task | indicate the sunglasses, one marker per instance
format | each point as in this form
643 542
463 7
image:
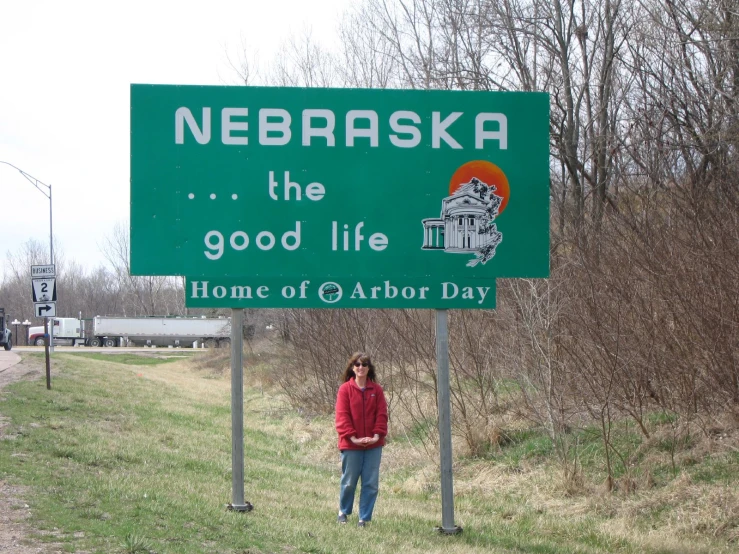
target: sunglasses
363 364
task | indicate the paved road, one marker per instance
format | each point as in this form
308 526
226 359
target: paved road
107 350
8 359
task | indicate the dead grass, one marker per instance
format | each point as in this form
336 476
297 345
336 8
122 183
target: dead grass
669 517
663 516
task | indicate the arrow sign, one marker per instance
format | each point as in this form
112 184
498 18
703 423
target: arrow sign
44 290
45 309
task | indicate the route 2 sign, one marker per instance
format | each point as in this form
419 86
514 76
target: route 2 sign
44 290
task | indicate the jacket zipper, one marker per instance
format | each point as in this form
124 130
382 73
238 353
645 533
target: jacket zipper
364 414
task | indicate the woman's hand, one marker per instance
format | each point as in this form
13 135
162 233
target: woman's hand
366 441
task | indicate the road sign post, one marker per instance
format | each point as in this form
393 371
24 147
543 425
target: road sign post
46 352
445 425
237 413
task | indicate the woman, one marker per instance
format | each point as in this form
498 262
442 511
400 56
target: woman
361 422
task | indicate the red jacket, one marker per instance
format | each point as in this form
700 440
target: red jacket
360 413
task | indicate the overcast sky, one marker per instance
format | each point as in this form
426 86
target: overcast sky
65 72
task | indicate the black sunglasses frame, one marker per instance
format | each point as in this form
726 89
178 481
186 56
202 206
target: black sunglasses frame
363 364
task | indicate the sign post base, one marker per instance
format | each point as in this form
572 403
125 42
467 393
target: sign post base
247 507
456 530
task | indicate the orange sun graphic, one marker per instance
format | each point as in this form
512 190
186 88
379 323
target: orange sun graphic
488 173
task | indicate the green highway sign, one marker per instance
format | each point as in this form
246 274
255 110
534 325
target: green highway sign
368 292
282 183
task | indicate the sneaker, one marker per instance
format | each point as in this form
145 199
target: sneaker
341 518
361 524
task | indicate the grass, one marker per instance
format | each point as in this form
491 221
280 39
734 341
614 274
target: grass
133 359
122 457
720 469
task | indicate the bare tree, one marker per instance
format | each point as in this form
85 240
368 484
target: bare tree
302 62
243 64
142 295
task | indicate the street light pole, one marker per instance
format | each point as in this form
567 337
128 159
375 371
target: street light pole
46 191
51 230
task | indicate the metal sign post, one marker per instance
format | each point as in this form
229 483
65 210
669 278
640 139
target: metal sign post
445 426
237 413
51 332
46 351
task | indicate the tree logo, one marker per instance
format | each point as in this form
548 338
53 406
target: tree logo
330 292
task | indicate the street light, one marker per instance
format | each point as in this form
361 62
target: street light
26 324
46 191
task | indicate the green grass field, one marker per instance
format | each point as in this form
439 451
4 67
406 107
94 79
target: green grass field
125 456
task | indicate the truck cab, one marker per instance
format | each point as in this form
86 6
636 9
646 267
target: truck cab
68 331
6 336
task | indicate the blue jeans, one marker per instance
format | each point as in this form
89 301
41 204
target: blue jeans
356 464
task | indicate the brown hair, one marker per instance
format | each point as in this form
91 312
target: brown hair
361 357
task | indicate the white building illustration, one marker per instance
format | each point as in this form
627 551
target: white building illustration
465 225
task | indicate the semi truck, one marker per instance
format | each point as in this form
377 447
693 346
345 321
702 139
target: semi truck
6 336
137 331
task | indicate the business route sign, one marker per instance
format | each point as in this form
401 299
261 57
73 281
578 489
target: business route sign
289 184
